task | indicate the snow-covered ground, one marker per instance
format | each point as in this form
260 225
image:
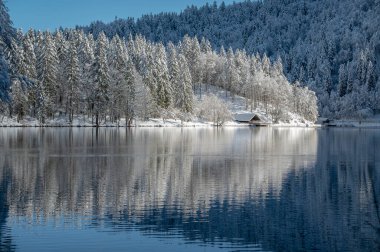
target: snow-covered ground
236 105
239 105
372 122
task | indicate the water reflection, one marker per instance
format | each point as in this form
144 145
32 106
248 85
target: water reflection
267 189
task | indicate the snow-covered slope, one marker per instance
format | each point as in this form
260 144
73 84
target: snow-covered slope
237 104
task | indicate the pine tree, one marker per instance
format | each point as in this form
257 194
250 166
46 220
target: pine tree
17 61
102 78
19 99
231 73
7 32
175 73
62 51
371 79
73 81
41 107
117 60
30 56
161 75
350 80
130 93
185 89
30 70
342 85
47 73
4 79
190 48
327 80
87 61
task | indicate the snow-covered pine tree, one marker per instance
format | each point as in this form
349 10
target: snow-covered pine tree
86 62
29 55
4 79
30 71
185 94
231 72
17 61
7 33
174 73
47 68
220 69
370 78
130 93
19 99
117 59
161 75
73 81
342 85
190 48
102 79
62 49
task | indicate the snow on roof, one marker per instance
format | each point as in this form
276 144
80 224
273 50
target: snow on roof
245 117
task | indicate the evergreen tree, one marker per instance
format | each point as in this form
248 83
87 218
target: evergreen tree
342 86
161 75
19 99
47 73
30 56
117 60
231 73
4 79
62 50
73 81
17 61
102 79
86 58
30 71
7 32
185 94
130 92
175 73
370 79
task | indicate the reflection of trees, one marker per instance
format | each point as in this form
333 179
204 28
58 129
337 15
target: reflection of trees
61 171
5 238
244 185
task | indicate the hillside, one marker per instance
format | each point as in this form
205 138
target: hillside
331 46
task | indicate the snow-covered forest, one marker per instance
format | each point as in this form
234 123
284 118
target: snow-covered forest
70 73
331 46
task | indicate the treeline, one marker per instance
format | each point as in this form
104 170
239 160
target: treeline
332 46
70 73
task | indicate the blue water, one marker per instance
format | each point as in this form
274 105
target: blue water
173 189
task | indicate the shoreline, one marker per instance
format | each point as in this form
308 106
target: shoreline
175 123
82 122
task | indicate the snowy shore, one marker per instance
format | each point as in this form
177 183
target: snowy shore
157 122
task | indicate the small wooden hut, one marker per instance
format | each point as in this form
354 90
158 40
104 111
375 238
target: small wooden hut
253 119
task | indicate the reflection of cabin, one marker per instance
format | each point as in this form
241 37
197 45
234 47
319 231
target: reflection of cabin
253 119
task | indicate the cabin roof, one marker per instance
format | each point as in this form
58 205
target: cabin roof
247 117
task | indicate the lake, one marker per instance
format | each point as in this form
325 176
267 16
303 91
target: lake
189 189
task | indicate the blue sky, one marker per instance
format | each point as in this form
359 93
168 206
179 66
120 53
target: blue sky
50 14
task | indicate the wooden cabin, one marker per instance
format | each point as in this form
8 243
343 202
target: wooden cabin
253 119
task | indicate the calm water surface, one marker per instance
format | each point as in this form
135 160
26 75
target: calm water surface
248 189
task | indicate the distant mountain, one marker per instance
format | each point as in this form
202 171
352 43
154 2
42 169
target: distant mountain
332 46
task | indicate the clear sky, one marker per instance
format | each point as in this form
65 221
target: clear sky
51 14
